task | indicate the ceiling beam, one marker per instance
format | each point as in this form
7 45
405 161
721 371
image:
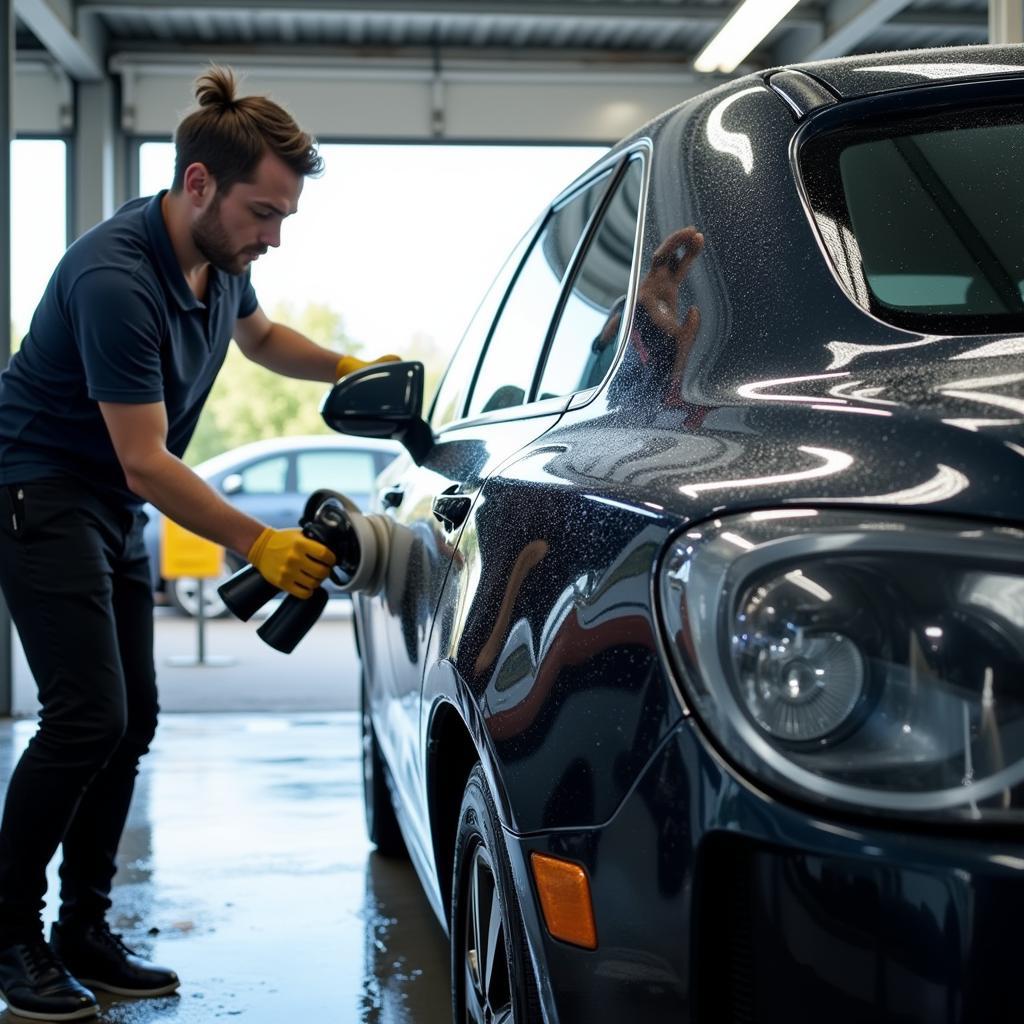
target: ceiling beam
597 10
803 16
79 53
849 22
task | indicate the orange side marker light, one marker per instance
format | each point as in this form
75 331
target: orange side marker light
564 891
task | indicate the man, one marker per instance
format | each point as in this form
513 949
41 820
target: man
96 410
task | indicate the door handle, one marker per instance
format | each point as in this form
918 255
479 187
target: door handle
392 497
449 509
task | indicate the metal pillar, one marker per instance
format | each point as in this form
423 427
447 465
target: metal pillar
6 135
1006 21
95 151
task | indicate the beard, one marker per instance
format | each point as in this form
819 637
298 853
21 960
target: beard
210 238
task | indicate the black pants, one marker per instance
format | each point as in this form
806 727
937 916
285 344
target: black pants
76 578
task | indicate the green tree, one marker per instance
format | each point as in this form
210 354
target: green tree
249 403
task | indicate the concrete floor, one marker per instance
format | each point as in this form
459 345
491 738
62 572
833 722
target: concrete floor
245 867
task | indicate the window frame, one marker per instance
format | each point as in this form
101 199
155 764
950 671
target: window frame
638 154
608 169
509 272
616 162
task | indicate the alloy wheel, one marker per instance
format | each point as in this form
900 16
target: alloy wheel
488 986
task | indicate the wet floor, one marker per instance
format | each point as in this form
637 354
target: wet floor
246 868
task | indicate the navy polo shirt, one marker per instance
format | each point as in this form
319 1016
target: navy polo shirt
117 323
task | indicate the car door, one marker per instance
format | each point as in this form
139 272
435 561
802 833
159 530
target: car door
544 619
481 416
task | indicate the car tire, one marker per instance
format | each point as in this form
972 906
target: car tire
381 822
492 981
184 593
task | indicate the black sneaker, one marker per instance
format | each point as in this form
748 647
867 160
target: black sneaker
93 951
36 985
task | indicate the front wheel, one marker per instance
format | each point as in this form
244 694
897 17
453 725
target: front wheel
492 977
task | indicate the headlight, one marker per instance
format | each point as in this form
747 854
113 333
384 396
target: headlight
855 660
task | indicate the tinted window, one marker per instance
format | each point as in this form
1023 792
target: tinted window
268 476
924 217
585 340
510 360
451 395
340 471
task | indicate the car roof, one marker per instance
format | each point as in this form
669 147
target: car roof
276 445
846 78
850 77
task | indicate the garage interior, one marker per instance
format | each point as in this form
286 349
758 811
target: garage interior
265 895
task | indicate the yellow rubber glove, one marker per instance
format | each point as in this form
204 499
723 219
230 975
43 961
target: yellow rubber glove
349 364
291 561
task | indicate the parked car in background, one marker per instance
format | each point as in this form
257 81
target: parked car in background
696 692
271 481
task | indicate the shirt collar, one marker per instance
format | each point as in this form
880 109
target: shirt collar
168 262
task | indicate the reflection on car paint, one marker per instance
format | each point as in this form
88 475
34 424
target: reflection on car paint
735 144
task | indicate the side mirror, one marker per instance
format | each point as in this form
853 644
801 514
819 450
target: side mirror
384 400
232 483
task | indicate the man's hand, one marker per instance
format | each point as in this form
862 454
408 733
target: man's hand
349 364
291 561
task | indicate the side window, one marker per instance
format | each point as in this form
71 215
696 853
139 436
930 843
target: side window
518 337
268 476
585 341
451 395
339 470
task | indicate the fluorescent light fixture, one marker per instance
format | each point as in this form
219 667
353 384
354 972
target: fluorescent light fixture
751 22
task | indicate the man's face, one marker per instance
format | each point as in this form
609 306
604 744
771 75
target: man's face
235 228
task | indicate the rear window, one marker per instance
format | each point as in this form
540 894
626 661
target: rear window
923 217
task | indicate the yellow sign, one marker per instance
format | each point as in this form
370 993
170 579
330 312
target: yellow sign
184 554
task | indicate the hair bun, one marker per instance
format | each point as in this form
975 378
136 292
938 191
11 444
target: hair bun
216 88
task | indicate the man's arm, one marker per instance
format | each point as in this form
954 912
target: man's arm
139 436
286 558
283 350
286 351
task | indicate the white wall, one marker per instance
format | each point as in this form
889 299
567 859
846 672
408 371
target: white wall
406 101
402 100
42 99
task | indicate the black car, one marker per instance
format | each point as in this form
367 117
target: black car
696 691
